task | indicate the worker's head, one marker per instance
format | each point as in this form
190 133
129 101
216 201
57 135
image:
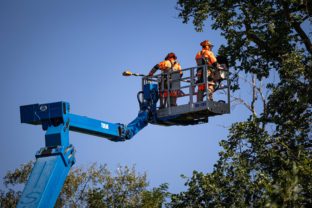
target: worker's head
171 56
206 43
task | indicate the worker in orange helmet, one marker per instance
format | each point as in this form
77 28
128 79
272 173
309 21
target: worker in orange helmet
170 64
205 57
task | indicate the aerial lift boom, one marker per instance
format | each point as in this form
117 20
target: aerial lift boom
54 161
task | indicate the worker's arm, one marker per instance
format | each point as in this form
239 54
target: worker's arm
211 57
213 60
153 70
179 68
164 66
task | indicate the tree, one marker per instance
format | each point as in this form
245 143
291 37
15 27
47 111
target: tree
266 160
94 186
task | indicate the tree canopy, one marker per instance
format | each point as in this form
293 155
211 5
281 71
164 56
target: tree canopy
94 186
266 160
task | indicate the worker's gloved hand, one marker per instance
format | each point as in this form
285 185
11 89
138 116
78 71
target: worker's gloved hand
150 74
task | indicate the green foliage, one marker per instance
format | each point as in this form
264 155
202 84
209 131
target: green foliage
94 186
9 199
12 178
266 161
156 197
254 170
258 33
19 175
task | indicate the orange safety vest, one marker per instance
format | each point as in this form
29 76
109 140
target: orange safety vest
207 56
165 66
201 87
204 57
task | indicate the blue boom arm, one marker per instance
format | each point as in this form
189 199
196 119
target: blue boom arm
54 161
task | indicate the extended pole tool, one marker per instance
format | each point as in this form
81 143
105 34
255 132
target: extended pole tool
129 73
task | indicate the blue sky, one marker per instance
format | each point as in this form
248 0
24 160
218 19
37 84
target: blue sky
75 51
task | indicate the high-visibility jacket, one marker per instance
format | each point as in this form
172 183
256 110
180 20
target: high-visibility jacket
165 67
205 57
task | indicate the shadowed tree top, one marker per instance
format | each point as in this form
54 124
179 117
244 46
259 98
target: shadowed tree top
266 160
258 32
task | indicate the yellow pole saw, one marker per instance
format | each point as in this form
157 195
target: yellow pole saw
129 73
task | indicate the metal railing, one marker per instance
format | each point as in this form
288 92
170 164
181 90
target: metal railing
186 86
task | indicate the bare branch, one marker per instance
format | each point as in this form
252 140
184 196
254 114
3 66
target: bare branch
241 101
254 94
257 91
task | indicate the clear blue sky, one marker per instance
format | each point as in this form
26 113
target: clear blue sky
75 51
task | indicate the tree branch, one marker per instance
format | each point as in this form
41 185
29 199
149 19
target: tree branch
263 99
253 37
254 94
241 101
305 39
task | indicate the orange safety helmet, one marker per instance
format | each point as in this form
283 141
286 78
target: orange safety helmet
171 55
206 43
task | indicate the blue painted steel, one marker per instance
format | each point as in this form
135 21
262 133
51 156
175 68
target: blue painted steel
95 127
149 91
147 111
55 160
49 172
45 114
136 125
115 131
57 136
150 98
